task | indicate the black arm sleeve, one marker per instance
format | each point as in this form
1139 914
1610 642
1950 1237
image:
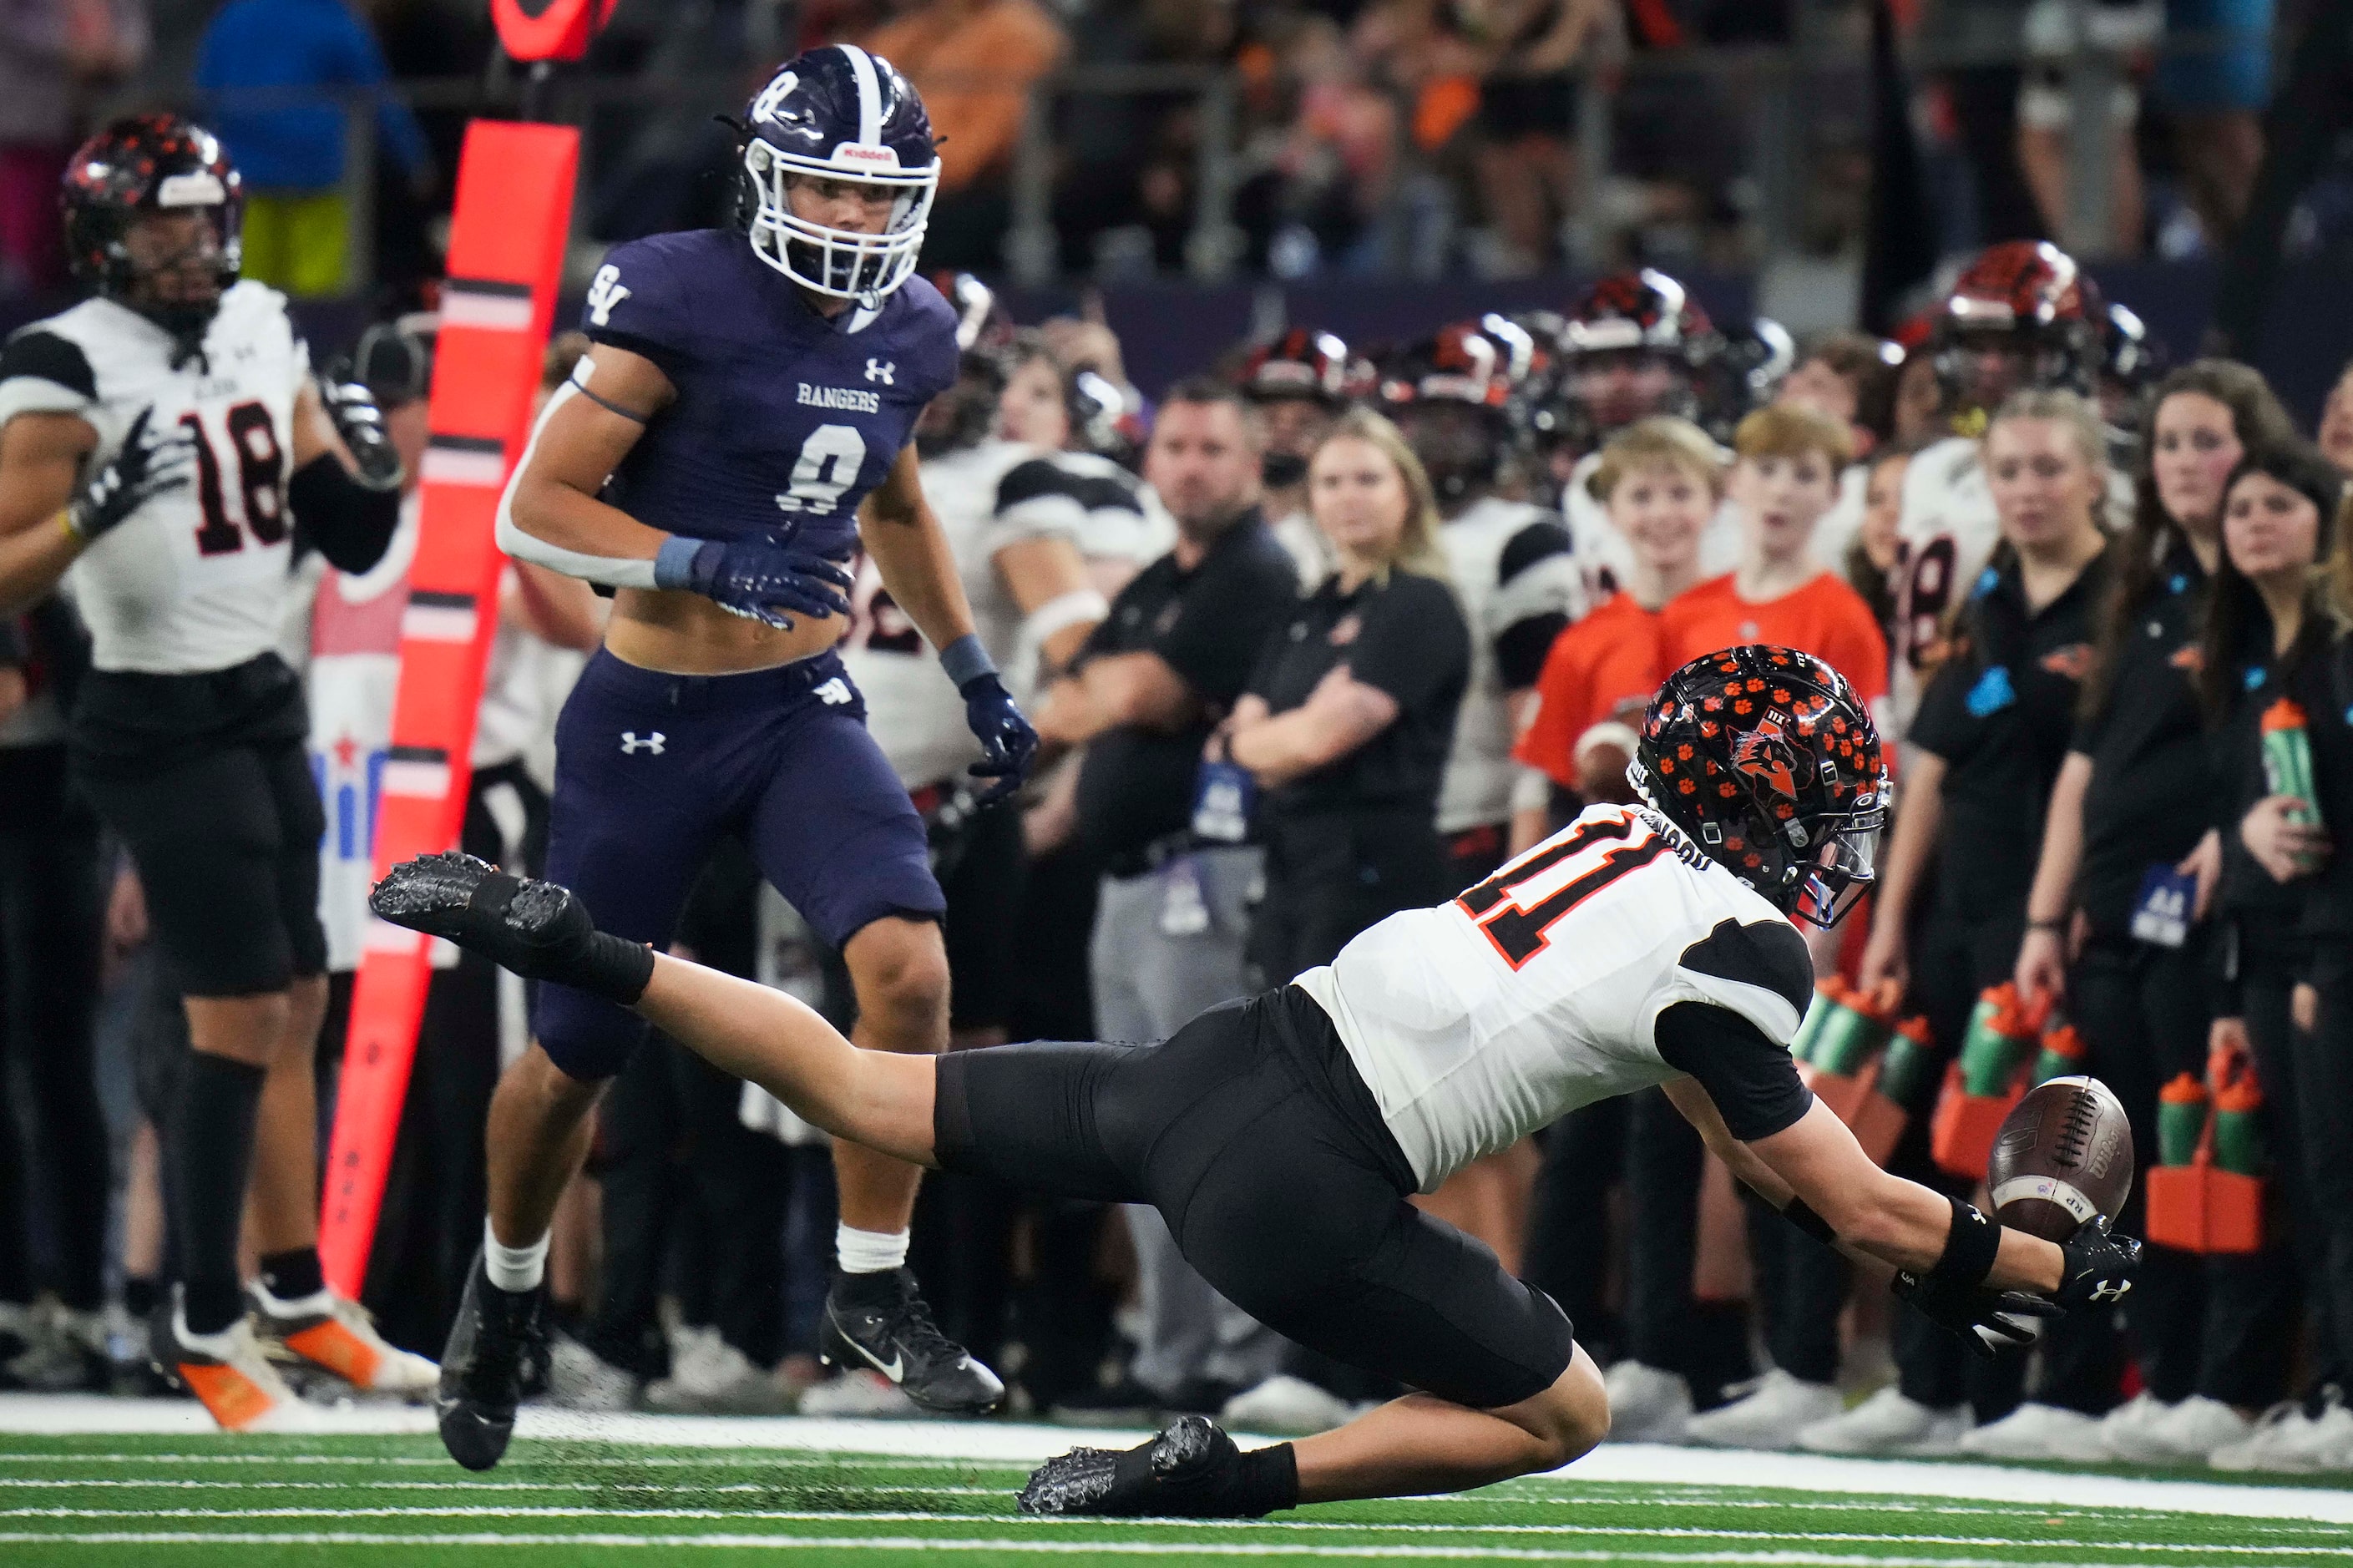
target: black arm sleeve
13 649
1752 1081
347 523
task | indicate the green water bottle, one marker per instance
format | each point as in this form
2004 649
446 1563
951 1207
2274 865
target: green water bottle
1989 1050
1826 996
2062 1053
1908 1071
2238 1128
2287 759
1849 1037
2180 1118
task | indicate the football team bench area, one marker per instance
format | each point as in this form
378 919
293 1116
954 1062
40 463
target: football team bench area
122 1483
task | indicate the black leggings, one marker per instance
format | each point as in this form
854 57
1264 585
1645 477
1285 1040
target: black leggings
1252 1134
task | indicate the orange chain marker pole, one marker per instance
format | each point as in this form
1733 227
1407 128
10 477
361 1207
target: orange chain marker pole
507 238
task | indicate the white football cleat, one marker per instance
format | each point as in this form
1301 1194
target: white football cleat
1889 1423
707 1374
1646 1405
1286 1406
234 1381
2155 1434
2035 1431
580 1378
2287 1441
331 1332
861 1393
1769 1417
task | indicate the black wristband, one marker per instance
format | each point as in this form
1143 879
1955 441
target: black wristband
1801 1214
1971 1248
615 969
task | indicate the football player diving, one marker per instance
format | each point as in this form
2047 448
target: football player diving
743 424
1282 1135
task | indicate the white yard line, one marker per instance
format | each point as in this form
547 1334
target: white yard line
1059 1548
1014 1443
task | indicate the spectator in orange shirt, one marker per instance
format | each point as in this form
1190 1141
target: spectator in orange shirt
1661 481
973 60
1785 476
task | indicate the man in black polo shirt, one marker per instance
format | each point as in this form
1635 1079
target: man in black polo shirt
1152 682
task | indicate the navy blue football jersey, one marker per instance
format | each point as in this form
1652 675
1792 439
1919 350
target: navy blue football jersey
781 414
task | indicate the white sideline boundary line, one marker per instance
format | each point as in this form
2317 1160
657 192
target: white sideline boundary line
1016 1443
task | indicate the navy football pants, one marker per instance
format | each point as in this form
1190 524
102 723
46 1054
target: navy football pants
652 768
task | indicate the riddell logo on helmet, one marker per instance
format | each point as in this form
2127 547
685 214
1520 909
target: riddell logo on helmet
1766 753
858 152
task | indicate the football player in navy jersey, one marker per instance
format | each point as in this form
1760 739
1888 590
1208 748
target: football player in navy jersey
743 422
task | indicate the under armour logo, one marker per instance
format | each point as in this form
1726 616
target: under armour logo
2110 1290
880 370
833 693
631 743
605 291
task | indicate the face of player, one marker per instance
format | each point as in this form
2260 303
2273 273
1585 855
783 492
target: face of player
2272 532
1781 497
1882 507
1294 426
851 205
1033 408
1448 437
1815 386
2046 489
1358 499
1620 386
1992 366
1663 510
1204 463
2336 434
177 256
2193 445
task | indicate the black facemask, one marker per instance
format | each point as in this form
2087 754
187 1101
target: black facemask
1281 470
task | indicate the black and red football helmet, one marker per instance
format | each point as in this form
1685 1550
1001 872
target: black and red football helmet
147 165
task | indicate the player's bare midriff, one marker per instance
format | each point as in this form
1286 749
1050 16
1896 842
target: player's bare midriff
686 634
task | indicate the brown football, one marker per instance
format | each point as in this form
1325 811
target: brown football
2064 1154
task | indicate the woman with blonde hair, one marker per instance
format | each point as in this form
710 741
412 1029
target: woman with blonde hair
1345 724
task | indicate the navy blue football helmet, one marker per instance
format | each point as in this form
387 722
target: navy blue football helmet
839 113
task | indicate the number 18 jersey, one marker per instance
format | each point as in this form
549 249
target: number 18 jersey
196 579
1539 990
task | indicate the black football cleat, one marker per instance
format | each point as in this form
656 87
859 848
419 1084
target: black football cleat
1191 1470
519 923
482 1367
881 1320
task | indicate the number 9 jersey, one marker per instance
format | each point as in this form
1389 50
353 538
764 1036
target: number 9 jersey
197 578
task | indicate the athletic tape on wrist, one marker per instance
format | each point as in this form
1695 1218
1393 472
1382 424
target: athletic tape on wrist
674 561
1079 606
1970 1248
965 661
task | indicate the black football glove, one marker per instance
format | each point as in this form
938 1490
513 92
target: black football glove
769 577
2099 1268
352 410
147 464
1987 1320
1006 741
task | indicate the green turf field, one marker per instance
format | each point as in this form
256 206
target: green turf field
260 1502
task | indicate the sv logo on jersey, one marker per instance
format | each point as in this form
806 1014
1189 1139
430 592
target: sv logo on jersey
880 370
633 742
605 291
1765 752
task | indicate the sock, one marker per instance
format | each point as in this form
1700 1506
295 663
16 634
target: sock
869 1251
218 1105
291 1275
1267 1480
514 1267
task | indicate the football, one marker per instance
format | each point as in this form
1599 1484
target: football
2064 1154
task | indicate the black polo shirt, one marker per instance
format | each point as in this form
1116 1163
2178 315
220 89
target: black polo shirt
1406 636
2000 713
1135 785
2152 788
2317 676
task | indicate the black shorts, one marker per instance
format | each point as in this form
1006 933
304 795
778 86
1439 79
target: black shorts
205 780
1252 1134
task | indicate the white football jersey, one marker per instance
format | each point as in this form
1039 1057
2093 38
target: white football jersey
1539 991
987 496
1310 550
197 578
1477 788
1601 548
1944 536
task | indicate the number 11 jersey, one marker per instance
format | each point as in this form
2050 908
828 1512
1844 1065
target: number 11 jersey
196 579
1539 990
